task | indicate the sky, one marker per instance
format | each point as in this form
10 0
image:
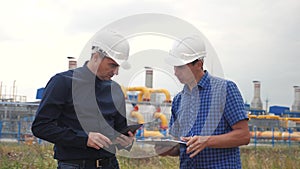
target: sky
254 39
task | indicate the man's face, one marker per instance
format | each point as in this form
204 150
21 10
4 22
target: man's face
185 73
107 69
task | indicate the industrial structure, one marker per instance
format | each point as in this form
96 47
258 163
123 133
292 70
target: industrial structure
256 103
296 104
279 123
152 107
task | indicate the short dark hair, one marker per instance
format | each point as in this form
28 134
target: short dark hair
194 62
101 52
197 60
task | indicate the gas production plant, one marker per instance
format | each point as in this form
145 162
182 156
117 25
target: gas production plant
279 123
152 107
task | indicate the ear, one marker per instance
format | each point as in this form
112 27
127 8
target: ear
200 64
93 57
96 57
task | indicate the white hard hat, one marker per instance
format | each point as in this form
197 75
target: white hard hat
114 45
186 50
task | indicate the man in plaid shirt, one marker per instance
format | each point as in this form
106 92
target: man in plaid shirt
208 114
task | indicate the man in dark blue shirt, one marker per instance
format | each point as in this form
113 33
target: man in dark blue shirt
83 110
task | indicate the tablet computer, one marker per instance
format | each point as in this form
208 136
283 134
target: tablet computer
131 128
162 142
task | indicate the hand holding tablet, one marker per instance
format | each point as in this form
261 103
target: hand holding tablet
132 128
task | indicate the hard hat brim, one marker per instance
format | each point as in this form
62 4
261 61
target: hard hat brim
175 61
115 55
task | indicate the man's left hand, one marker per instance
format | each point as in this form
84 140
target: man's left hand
195 144
125 141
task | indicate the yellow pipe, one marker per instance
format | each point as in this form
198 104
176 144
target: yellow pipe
138 116
163 119
143 92
140 96
252 116
274 117
279 135
268 117
140 119
293 119
148 133
165 91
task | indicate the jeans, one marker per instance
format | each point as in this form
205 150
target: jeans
65 165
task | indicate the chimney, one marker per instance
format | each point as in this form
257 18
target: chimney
256 102
149 82
14 93
72 63
149 77
296 104
0 90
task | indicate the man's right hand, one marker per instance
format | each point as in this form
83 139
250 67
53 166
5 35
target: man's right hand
98 140
167 150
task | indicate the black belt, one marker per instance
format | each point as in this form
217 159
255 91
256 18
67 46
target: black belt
102 162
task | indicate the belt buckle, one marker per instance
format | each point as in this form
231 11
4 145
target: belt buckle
98 163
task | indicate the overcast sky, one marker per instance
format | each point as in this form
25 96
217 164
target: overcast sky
254 39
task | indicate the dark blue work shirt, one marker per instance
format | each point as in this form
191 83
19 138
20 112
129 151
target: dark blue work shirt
74 103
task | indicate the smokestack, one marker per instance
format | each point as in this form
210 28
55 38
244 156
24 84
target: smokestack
149 77
296 104
14 91
72 63
149 82
256 102
1 90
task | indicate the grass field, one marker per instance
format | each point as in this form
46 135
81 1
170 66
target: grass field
21 156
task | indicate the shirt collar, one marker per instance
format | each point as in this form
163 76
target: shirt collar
90 74
203 82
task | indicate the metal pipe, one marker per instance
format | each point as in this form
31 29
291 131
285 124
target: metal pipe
165 91
163 119
144 92
138 116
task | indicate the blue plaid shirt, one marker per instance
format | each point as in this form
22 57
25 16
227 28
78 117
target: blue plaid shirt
211 108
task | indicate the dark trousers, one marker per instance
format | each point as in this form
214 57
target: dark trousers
111 163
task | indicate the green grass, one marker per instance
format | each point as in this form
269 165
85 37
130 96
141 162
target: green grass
280 157
21 156
17 156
